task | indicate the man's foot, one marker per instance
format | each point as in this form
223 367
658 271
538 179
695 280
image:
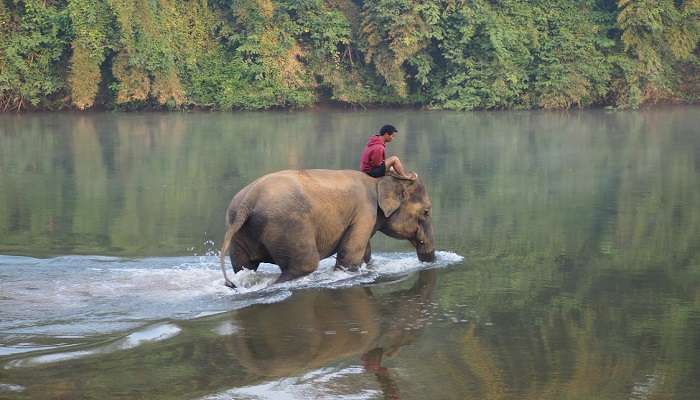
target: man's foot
412 176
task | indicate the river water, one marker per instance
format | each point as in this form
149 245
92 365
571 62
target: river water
568 263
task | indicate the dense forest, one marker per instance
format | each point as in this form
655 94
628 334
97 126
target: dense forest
261 54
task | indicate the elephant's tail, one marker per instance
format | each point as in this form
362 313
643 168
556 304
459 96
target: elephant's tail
238 221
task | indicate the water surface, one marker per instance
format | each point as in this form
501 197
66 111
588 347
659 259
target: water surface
568 263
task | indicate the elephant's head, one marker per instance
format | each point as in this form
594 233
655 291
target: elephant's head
407 209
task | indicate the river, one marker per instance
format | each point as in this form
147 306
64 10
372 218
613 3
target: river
568 262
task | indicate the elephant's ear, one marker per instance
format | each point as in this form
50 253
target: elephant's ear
390 195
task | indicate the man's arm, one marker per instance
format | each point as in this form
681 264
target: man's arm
376 157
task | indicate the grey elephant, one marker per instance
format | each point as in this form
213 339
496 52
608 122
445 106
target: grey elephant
296 218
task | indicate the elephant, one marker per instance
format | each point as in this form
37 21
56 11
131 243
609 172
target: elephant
295 218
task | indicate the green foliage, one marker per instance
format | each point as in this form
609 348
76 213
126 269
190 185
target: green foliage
661 36
144 66
571 66
260 54
34 42
486 56
91 22
394 31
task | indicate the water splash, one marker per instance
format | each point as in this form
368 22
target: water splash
46 302
153 333
8 387
324 383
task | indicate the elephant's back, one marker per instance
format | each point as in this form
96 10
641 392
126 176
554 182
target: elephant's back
308 185
262 187
321 176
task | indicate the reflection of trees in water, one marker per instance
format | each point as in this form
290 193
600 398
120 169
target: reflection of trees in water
150 184
578 354
527 183
582 240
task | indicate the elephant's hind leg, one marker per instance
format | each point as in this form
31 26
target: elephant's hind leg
297 256
296 271
253 265
236 267
250 258
302 262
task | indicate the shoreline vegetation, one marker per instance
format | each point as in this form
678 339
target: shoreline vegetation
308 54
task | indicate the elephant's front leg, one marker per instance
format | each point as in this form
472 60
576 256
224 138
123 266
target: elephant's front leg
368 254
354 248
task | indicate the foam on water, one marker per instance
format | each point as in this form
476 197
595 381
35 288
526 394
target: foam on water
153 333
324 383
8 387
26 347
52 303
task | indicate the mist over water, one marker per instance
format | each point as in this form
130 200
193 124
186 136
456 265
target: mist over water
568 262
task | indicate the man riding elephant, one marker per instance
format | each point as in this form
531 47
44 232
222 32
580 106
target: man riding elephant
373 160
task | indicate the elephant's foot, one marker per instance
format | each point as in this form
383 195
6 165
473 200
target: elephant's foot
346 268
285 277
288 275
282 279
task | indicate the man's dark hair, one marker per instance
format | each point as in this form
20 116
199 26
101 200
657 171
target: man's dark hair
387 129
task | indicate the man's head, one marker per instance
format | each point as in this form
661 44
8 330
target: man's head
387 133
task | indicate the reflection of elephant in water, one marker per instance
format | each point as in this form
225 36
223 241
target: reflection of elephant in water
296 218
319 327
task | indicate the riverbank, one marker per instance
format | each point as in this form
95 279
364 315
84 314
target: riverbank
337 106
282 54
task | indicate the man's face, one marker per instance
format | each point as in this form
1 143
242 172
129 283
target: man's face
388 137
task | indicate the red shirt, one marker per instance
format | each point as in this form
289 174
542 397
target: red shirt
373 154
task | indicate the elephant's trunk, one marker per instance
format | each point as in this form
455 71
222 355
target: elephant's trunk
425 244
426 256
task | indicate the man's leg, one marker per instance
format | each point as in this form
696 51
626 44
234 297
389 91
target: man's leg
395 163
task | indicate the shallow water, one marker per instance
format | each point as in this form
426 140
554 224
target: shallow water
568 263
77 296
